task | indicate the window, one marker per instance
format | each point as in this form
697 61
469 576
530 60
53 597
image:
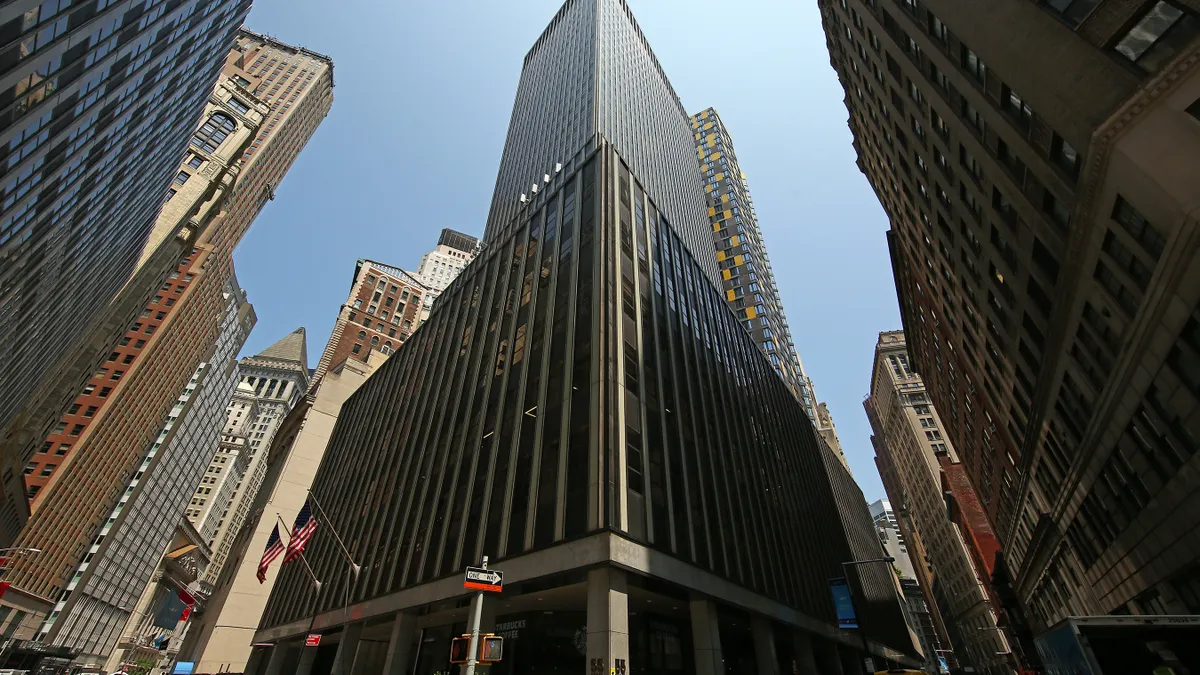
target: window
357 348
77 429
1072 12
182 177
1161 32
214 131
170 193
241 81
939 124
1194 109
195 161
1064 156
63 448
973 65
237 105
938 29
48 469
1059 214
1145 234
971 115
1016 107
971 164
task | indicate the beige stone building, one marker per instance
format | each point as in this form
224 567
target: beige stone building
222 635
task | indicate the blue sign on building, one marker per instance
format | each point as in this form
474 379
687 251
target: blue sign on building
843 603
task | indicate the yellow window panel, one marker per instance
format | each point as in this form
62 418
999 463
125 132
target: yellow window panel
708 188
737 260
720 176
716 155
704 114
733 241
751 312
697 136
721 256
727 274
708 125
725 198
717 227
729 293
712 211
728 214
711 138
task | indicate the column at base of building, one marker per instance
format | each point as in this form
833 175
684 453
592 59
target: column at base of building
276 660
804 658
828 658
343 661
308 657
765 655
706 637
607 622
400 645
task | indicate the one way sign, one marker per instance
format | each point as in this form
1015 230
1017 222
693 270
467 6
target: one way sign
480 579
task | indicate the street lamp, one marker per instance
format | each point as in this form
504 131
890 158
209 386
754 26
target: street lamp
850 591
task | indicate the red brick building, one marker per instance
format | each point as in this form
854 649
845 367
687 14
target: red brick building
386 304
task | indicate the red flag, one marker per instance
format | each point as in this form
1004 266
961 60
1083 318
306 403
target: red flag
273 551
302 531
4 587
187 611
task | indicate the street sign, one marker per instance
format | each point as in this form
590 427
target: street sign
480 579
312 640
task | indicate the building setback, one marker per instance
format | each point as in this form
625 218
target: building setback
1041 194
571 410
748 280
89 149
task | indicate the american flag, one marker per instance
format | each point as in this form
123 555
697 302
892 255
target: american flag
274 548
302 531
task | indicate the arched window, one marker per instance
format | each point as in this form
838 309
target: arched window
362 335
374 342
214 131
387 348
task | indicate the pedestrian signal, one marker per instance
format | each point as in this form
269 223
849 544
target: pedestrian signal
460 647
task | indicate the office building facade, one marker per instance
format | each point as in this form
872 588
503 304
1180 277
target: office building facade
748 280
107 581
440 266
279 378
92 124
908 433
571 410
1043 243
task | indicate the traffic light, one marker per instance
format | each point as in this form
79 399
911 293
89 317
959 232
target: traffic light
459 648
491 648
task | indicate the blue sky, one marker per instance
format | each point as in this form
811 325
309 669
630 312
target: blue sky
423 92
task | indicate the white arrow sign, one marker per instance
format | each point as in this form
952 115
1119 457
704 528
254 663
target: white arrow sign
484 576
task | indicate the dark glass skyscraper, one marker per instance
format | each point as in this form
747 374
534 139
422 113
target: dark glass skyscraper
97 104
583 408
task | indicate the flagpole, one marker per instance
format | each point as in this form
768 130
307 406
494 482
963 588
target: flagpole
302 558
329 523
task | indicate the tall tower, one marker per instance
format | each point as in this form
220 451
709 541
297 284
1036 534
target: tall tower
746 274
89 151
278 377
583 408
1037 161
